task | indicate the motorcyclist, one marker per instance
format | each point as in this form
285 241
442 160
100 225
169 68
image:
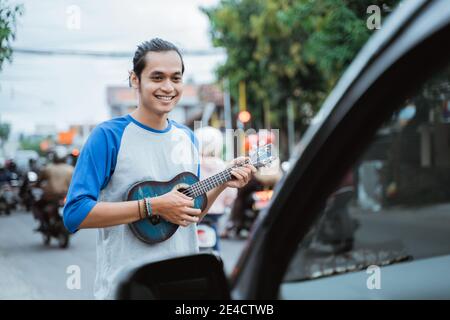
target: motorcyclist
55 180
5 174
25 190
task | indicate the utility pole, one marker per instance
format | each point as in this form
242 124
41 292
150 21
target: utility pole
242 108
229 143
227 104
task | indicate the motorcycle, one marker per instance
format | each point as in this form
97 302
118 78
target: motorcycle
9 195
53 226
335 232
6 199
207 238
261 199
26 193
251 199
256 201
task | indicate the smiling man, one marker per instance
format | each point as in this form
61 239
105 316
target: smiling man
140 146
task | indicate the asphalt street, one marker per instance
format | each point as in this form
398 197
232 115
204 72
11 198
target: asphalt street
30 270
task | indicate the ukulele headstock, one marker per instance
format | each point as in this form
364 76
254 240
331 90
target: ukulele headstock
262 156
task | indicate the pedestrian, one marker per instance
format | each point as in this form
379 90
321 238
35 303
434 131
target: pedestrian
240 221
142 145
211 145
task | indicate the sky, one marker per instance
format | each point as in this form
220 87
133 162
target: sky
63 90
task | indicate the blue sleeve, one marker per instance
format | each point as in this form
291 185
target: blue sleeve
94 168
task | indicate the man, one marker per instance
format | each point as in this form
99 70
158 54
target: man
55 180
5 174
142 145
25 190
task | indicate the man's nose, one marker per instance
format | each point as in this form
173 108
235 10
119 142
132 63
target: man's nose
167 86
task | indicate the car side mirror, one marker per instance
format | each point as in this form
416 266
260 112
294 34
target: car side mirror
195 277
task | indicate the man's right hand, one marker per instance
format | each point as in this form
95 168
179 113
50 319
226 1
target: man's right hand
175 207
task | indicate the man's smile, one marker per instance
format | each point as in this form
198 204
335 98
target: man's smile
164 98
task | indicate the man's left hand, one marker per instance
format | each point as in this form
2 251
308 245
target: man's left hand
242 174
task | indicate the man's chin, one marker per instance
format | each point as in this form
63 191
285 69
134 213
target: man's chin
165 108
161 110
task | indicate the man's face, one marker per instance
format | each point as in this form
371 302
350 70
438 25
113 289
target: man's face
161 83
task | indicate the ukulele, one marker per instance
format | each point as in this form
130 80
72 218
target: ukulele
155 229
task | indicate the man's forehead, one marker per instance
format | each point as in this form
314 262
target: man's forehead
163 62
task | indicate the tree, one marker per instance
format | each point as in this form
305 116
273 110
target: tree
8 19
4 133
288 50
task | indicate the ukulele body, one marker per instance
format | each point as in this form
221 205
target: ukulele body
155 229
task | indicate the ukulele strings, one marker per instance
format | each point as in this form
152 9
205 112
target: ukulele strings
190 192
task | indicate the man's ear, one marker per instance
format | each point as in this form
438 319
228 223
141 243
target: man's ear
134 80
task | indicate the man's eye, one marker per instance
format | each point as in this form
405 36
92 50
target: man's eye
157 78
177 79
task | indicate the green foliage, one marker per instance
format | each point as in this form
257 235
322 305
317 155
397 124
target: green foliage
288 49
32 143
8 19
5 129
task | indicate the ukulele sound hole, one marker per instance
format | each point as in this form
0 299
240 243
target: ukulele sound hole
181 189
154 219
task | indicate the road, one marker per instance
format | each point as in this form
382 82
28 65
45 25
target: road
30 270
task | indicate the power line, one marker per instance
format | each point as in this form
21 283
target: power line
106 54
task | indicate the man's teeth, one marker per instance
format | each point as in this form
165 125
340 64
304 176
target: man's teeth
167 98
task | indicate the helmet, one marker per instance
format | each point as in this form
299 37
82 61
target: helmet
211 141
59 153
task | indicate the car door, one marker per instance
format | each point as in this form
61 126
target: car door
387 75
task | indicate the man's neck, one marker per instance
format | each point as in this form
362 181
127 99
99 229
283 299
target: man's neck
152 120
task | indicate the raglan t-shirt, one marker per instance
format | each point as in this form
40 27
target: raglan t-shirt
117 154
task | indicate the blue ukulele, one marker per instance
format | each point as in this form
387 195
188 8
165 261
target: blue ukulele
155 229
